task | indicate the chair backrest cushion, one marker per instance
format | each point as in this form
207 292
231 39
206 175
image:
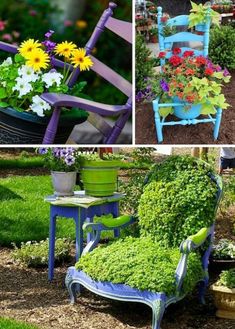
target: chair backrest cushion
179 199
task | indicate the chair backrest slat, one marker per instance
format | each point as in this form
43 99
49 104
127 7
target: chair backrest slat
184 36
111 76
123 29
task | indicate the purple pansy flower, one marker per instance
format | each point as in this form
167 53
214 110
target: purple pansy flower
42 150
164 85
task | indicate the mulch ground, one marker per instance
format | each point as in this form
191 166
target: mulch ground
193 134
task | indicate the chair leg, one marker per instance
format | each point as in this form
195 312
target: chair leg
73 288
158 122
158 311
202 290
217 123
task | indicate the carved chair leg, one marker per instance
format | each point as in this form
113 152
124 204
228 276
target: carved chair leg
158 122
73 288
158 311
217 123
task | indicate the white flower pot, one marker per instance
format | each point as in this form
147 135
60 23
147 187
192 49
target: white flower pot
63 182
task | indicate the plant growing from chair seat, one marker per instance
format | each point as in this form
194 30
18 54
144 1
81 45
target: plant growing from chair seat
192 80
199 14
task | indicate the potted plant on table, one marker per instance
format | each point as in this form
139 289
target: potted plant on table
24 77
224 294
99 175
64 164
193 81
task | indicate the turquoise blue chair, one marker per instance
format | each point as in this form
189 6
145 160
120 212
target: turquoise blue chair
168 43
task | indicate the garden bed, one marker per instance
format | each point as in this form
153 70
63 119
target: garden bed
28 296
194 134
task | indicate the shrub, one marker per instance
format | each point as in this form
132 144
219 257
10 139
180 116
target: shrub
227 278
179 200
221 48
144 63
35 254
140 263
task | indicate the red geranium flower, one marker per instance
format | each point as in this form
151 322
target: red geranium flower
175 60
162 54
209 71
188 53
176 51
164 19
201 60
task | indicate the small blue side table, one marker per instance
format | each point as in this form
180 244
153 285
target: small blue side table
80 208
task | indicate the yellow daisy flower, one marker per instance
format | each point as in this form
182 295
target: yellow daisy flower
79 59
65 49
38 59
28 46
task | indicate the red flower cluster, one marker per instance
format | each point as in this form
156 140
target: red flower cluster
201 60
162 54
175 60
209 71
188 53
176 51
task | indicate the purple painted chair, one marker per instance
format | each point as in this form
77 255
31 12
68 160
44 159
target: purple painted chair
158 301
96 110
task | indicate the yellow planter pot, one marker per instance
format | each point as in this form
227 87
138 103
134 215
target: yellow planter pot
224 301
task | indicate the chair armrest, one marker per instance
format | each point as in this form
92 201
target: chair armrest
187 246
106 225
195 241
62 100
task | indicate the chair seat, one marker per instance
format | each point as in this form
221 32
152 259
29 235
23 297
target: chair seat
141 264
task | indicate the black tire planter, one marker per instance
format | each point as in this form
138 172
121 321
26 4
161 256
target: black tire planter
26 128
218 265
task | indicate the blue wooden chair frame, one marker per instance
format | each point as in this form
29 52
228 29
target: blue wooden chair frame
158 301
166 43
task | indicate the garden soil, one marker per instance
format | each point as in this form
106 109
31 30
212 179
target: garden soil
193 134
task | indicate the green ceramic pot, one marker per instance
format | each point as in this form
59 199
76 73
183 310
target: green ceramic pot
100 177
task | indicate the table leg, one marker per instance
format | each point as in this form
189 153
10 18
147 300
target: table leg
115 211
51 260
79 219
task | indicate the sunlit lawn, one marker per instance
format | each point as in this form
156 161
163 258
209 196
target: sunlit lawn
12 324
24 215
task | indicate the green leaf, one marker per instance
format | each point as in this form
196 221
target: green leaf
165 111
18 58
4 104
3 93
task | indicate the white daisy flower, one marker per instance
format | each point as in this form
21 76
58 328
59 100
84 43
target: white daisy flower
39 106
27 73
22 86
51 78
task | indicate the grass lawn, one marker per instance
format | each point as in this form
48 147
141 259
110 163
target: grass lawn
12 324
24 215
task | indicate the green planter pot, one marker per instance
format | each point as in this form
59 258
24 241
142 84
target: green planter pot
100 177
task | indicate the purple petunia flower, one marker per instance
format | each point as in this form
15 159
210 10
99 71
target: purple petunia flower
139 96
49 34
226 73
42 150
69 160
164 85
